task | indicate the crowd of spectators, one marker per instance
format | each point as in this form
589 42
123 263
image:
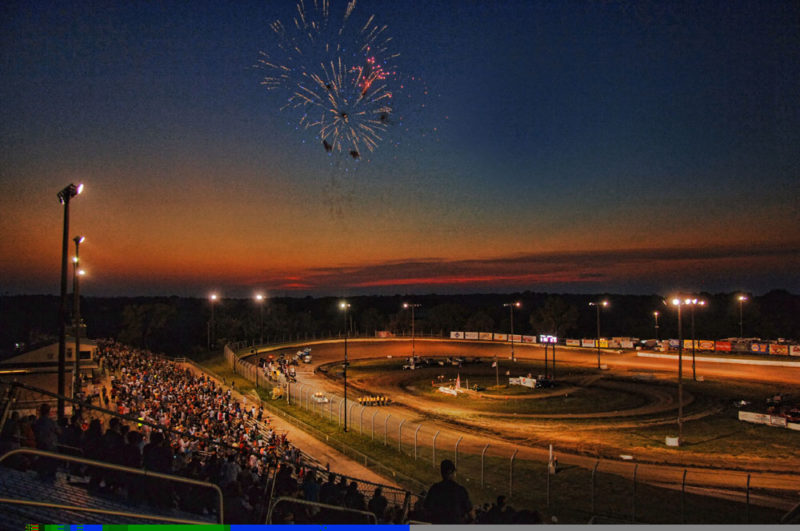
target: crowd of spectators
186 424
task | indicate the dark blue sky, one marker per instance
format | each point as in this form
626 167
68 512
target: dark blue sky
571 146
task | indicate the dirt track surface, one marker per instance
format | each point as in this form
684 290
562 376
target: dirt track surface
578 444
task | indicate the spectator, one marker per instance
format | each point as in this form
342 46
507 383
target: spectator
448 502
46 432
327 493
310 487
354 499
497 514
230 471
285 484
377 505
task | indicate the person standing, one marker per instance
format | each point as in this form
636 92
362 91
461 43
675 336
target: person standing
448 502
46 432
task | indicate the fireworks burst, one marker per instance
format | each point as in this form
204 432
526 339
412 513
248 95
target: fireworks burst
336 80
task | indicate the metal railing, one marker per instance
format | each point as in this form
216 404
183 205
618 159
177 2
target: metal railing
362 517
117 468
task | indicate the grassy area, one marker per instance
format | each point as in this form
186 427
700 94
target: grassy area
570 491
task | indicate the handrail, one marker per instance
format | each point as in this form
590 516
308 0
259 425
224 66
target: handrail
276 501
118 468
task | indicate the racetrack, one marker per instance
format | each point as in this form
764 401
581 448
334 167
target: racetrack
580 438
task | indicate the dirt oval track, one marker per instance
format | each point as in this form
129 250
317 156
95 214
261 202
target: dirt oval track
580 443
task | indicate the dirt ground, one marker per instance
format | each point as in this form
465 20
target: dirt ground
580 437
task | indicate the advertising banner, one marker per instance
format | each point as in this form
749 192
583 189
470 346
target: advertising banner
626 344
528 339
604 343
587 343
705 345
687 344
614 344
383 333
448 391
547 339
516 338
513 381
471 335
486 336
778 350
527 382
723 346
456 335
794 350
758 418
573 342
762 348
500 337
777 421
674 343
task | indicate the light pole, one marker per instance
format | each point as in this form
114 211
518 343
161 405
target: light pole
677 302
741 298
692 303
76 308
655 314
64 197
260 302
597 305
511 306
211 332
345 306
412 306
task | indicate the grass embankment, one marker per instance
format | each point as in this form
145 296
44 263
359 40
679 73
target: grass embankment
569 490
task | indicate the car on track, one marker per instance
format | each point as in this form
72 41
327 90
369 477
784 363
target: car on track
320 398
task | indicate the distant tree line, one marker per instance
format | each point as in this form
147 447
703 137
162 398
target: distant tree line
181 326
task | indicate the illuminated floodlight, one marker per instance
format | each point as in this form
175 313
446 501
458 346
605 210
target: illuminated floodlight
69 192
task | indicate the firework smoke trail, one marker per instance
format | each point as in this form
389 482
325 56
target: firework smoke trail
337 81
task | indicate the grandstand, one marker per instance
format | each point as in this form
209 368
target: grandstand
167 445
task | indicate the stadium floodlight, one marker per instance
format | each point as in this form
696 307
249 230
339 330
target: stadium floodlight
598 305
64 197
511 306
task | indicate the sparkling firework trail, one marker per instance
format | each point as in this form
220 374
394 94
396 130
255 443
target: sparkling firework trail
337 82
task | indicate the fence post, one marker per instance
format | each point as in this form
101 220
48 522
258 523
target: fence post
547 486
415 440
456 451
386 428
434 448
511 473
594 480
373 423
683 498
361 421
633 501
747 515
483 453
400 436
